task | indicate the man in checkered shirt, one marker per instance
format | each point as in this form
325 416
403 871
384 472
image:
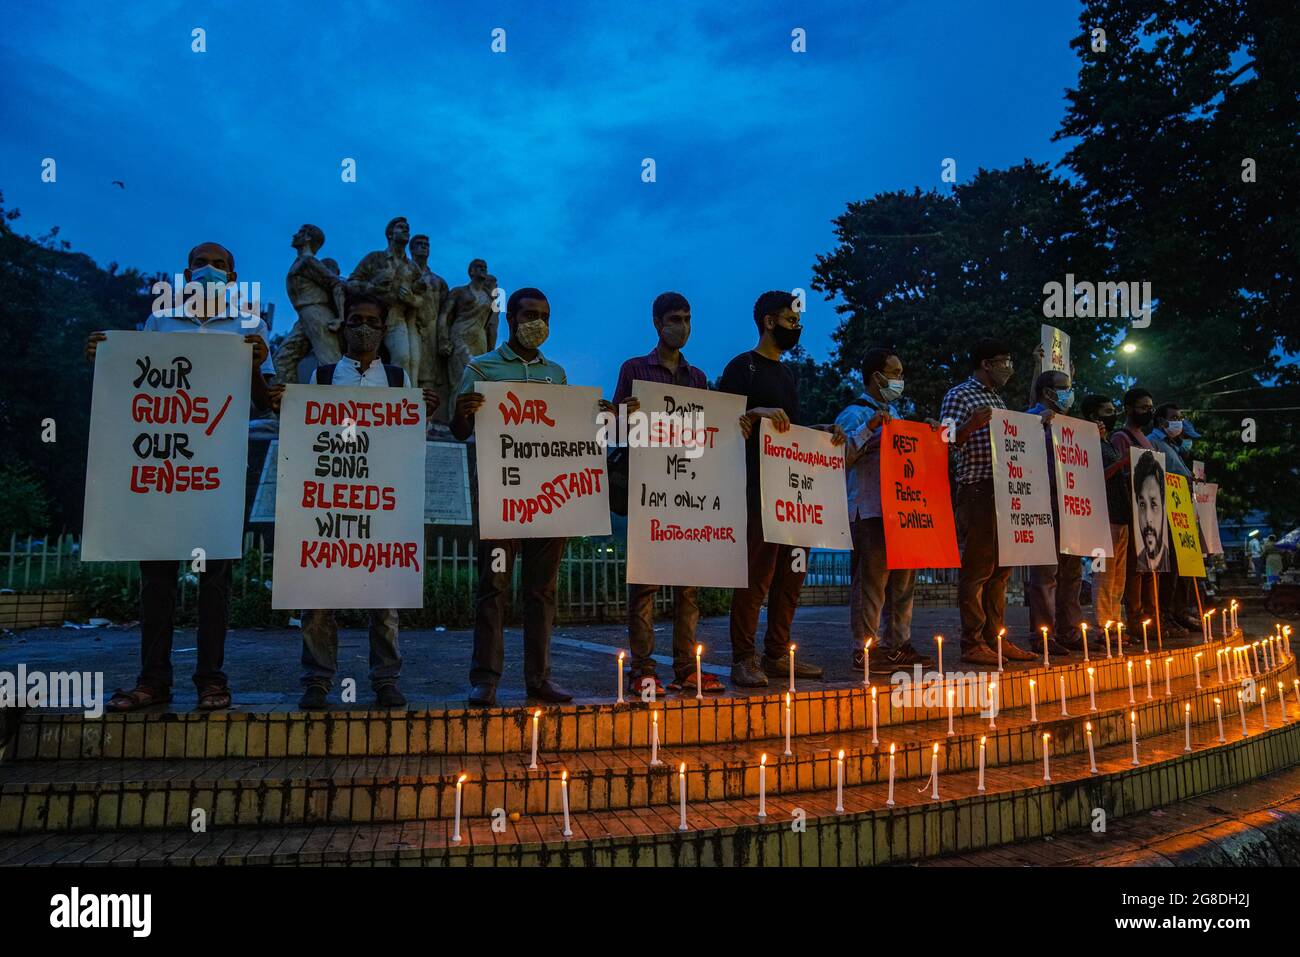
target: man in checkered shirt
981 582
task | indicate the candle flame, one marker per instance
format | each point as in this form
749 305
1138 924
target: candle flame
891 749
1087 726
681 771
462 779
939 638
787 699
1216 701
1031 683
873 692
564 777
1187 707
1146 621
537 715
620 656
983 738
841 757
793 646
867 646
1133 716
1045 737
1044 631
1130 665
1001 632
699 650
1109 622
762 759
936 747
1090 672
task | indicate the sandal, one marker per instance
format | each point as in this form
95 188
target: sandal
687 686
214 698
141 696
639 684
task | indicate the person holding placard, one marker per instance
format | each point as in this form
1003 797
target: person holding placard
528 315
1054 589
771 392
363 330
1139 585
671 314
880 600
982 582
212 266
1108 580
1172 435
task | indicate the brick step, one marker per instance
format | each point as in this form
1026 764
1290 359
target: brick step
46 735
78 795
1017 805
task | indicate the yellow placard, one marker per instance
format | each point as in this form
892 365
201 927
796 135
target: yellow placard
1180 508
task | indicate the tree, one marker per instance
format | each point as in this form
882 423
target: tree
50 300
928 274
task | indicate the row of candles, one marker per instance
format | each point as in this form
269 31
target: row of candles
932 782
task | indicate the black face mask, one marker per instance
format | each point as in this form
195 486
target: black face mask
1144 419
786 339
1109 421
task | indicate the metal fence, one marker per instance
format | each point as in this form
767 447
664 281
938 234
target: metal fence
592 581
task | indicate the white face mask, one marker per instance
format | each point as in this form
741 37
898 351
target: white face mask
892 391
1175 427
532 334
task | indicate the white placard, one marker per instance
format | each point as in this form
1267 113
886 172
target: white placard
1150 528
803 489
1082 519
165 473
1207 515
1056 350
1021 493
541 470
446 484
349 498
686 488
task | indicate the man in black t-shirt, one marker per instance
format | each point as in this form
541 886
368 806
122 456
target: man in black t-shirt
771 393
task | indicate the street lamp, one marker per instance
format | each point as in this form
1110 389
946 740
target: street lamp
1128 348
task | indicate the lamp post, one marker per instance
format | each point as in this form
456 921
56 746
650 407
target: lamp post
1128 348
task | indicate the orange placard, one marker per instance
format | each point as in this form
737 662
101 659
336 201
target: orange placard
915 501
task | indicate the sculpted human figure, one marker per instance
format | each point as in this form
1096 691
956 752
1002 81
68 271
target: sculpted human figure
467 323
389 274
316 293
433 364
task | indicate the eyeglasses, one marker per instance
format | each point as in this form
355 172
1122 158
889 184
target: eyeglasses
356 322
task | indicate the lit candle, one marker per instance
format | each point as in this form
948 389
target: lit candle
699 671
792 647
1064 711
1129 665
874 738
1218 663
1092 755
1196 660
993 703
866 664
1205 635
1241 709
1168 664
681 796
952 694
1225 623
939 640
620 677
1145 622
1263 703
1033 703
889 800
1001 632
839 783
1296 685
455 831
934 773
654 739
1133 734
1148 663
1119 636
1254 650
1106 629
1187 727
1083 627
762 786
1209 624
564 798
788 719
1233 607
1047 765
1047 663
1092 690
1268 653
537 717
1218 713
983 741
1281 700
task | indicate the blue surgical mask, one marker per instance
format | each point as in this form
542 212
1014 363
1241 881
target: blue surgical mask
208 275
1186 445
1174 427
893 391
1064 399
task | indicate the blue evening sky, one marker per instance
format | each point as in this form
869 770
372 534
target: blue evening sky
531 159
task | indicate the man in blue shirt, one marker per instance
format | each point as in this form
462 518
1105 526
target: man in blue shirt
878 594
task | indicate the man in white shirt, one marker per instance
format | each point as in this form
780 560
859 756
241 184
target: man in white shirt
364 326
211 265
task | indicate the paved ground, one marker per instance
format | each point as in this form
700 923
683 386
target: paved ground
263 664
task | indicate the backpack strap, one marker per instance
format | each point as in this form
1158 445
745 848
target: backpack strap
325 374
396 376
